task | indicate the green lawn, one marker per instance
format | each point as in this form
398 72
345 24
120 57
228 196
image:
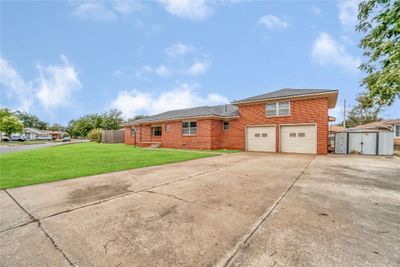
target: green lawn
71 161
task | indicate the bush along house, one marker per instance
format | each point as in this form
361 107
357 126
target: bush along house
287 120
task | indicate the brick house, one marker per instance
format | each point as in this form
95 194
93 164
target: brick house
287 120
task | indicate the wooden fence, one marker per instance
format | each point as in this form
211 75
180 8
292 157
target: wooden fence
112 136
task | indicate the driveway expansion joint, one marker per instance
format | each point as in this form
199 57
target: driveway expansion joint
39 224
181 199
245 239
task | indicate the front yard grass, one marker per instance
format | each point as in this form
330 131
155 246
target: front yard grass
76 160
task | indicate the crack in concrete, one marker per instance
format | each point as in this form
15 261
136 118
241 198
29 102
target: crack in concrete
39 224
245 238
182 199
33 220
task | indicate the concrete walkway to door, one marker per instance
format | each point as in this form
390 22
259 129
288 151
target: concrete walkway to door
215 211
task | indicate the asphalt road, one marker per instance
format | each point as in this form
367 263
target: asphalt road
8 149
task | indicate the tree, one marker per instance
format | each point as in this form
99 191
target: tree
365 111
10 124
112 120
5 112
137 117
30 120
380 21
56 127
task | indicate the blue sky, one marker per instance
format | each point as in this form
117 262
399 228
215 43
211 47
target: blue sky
63 59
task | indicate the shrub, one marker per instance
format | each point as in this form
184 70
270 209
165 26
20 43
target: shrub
95 135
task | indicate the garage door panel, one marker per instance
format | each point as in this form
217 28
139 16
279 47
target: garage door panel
261 138
298 139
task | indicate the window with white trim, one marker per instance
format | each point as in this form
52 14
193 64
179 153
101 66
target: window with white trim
156 130
226 125
397 130
189 127
278 109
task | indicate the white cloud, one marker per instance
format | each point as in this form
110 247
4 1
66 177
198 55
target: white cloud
15 87
52 88
348 12
327 51
316 10
163 71
106 11
135 102
94 10
56 84
179 49
198 68
273 22
188 9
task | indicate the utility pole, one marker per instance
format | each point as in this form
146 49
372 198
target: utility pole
344 114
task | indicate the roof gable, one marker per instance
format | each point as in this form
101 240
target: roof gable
288 93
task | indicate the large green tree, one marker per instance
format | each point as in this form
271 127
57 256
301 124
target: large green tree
30 120
379 20
10 124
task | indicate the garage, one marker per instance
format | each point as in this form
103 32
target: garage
298 138
261 138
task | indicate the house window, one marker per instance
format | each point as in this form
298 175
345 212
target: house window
156 130
133 131
257 135
226 125
301 134
189 128
278 109
264 135
397 130
292 134
167 128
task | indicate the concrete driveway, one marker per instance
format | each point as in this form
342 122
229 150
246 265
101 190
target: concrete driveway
233 210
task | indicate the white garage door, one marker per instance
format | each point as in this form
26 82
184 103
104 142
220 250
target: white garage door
261 138
299 139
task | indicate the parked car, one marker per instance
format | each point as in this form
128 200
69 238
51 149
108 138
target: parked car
20 138
45 137
5 138
66 139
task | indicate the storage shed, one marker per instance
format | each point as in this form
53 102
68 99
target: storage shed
364 141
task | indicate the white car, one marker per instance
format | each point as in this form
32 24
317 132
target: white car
45 137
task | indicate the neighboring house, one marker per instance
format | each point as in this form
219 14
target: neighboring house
33 133
391 125
287 120
56 134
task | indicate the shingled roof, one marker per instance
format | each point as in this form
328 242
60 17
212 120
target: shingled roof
222 111
285 92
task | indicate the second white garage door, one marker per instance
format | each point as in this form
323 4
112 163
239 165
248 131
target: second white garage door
298 139
261 138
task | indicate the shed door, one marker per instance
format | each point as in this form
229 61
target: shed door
369 143
299 139
362 143
261 138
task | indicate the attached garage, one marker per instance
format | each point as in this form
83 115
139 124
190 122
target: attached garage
261 138
298 138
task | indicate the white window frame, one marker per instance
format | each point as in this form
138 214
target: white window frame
395 130
191 131
223 125
277 109
152 130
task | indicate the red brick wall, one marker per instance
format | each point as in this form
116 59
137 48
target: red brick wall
301 111
210 133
